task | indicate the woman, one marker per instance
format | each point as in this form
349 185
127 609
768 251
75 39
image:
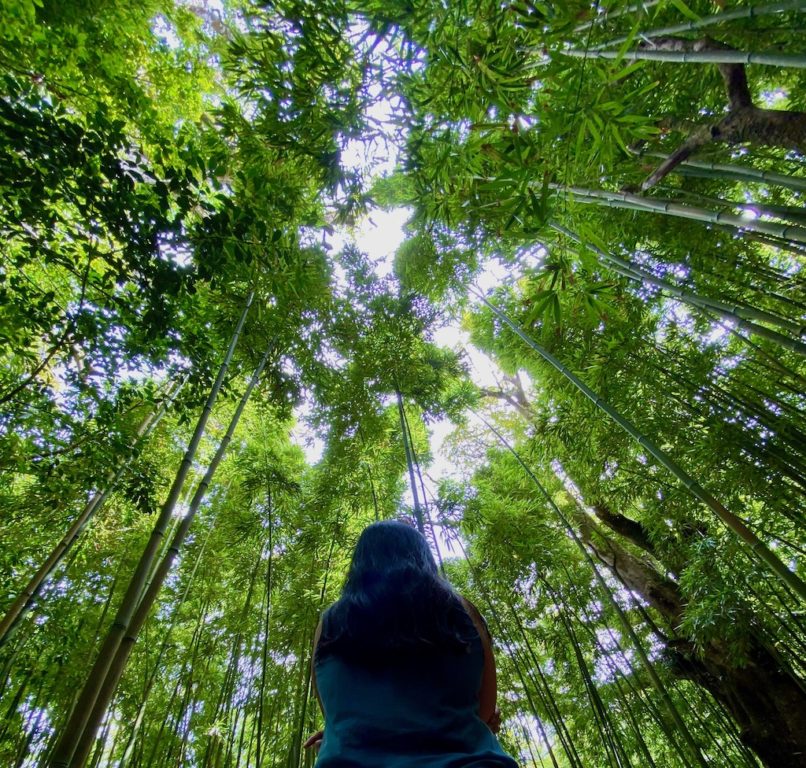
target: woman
403 666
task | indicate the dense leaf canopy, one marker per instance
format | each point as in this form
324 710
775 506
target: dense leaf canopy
580 373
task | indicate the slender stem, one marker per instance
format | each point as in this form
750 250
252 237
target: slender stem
735 172
792 60
418 512
32 589
72 733
736 524
150 595
691 744
747 12
609 15
740 313
650 204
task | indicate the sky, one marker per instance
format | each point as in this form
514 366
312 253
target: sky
379 235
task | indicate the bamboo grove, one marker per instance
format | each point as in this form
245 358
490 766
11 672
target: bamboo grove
606 199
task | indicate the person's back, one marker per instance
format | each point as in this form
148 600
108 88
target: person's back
403 666
417 711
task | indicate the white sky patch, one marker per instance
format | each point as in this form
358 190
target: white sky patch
379 154
379 235
495 273
166 32
302 435
719 333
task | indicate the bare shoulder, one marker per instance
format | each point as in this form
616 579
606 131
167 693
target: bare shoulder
477 618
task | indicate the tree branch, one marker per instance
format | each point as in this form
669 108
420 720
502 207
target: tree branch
499 394
744 121
631 530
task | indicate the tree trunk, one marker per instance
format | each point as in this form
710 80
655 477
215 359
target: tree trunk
765 699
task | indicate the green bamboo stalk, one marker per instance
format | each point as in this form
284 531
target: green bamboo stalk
599 715
586 622
32 589
264 657
418 512
735 172
611 733
545 697
790 213
746 12
792 60
224 704
609 15
691 745
733 522
650 204
150 595
155 670
68 741
189 659
739 313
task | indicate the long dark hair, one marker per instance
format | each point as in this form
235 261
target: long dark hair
394 601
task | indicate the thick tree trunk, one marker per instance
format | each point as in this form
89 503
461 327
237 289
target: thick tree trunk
744 122
767 703
763 127
765 699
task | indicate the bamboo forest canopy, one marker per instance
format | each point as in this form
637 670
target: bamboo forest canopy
581 373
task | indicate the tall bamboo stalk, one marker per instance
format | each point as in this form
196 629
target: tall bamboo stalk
68 742
727 56
156 670
746 12
31 590
418 512
609 15
264 658
679 723
541 687
742 314
733 522
149 597
638 202
587 623
187 664
733 172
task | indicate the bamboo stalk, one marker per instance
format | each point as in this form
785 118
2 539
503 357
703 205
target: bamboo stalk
418 513
68 742
266 625
608 15
793 233
691 745
27 596
586 621
746 12
741 314
155 671
788 213
150 595
791 60
546 698
735 172
733 522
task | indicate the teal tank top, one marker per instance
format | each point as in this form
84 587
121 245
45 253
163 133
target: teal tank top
407 713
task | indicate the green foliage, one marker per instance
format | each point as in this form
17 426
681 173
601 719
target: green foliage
160 162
